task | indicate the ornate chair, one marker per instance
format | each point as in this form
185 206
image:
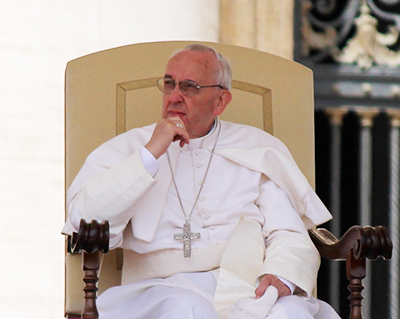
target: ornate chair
112 91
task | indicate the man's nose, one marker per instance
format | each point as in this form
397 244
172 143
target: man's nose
176 94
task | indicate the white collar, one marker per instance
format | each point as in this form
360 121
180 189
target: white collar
206 141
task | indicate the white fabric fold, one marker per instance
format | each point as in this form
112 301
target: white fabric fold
251 308
283 171
245 250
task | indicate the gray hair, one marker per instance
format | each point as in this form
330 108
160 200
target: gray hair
224 77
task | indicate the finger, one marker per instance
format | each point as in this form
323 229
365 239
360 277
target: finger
182 134
264 284
260 292
271 280
283 290
184 139
179 125
183 142
176 121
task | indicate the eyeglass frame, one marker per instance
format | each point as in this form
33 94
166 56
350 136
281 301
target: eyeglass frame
198 87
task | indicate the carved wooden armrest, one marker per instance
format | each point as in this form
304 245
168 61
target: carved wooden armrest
92 238
357 244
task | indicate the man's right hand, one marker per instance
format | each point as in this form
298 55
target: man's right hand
167 131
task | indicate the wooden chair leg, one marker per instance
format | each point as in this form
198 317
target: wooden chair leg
91 266
92 239
355 272
72 316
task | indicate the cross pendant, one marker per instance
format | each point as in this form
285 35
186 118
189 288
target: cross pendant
186 238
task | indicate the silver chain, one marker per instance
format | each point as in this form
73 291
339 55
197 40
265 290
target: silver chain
202 184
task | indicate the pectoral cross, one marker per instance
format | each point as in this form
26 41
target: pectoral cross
186 238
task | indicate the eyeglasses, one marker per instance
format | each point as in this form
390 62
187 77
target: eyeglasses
187 87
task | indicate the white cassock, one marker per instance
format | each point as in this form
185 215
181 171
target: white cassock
252 214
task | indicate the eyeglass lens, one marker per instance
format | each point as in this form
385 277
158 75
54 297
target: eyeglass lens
187 87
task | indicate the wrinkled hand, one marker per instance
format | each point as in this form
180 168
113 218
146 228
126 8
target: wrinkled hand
271 280
167 131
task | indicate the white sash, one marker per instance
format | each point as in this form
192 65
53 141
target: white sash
240 261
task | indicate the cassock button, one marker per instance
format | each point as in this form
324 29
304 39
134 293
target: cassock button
207 217
199 182
199 165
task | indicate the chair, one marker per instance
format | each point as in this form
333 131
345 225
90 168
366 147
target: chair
112 91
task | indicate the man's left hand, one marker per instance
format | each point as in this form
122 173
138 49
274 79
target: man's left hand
271 280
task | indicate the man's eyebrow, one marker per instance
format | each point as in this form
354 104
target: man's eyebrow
170 77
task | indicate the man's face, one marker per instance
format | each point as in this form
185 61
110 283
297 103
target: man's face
199 111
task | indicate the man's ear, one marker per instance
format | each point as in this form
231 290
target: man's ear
224 99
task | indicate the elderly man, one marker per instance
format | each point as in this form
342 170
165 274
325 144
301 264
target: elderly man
212 215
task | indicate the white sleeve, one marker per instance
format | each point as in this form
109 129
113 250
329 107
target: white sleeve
290 285
290 253
149 161
108 195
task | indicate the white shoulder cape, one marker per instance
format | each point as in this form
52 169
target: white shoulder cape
245 145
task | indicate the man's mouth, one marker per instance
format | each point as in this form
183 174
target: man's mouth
175 114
